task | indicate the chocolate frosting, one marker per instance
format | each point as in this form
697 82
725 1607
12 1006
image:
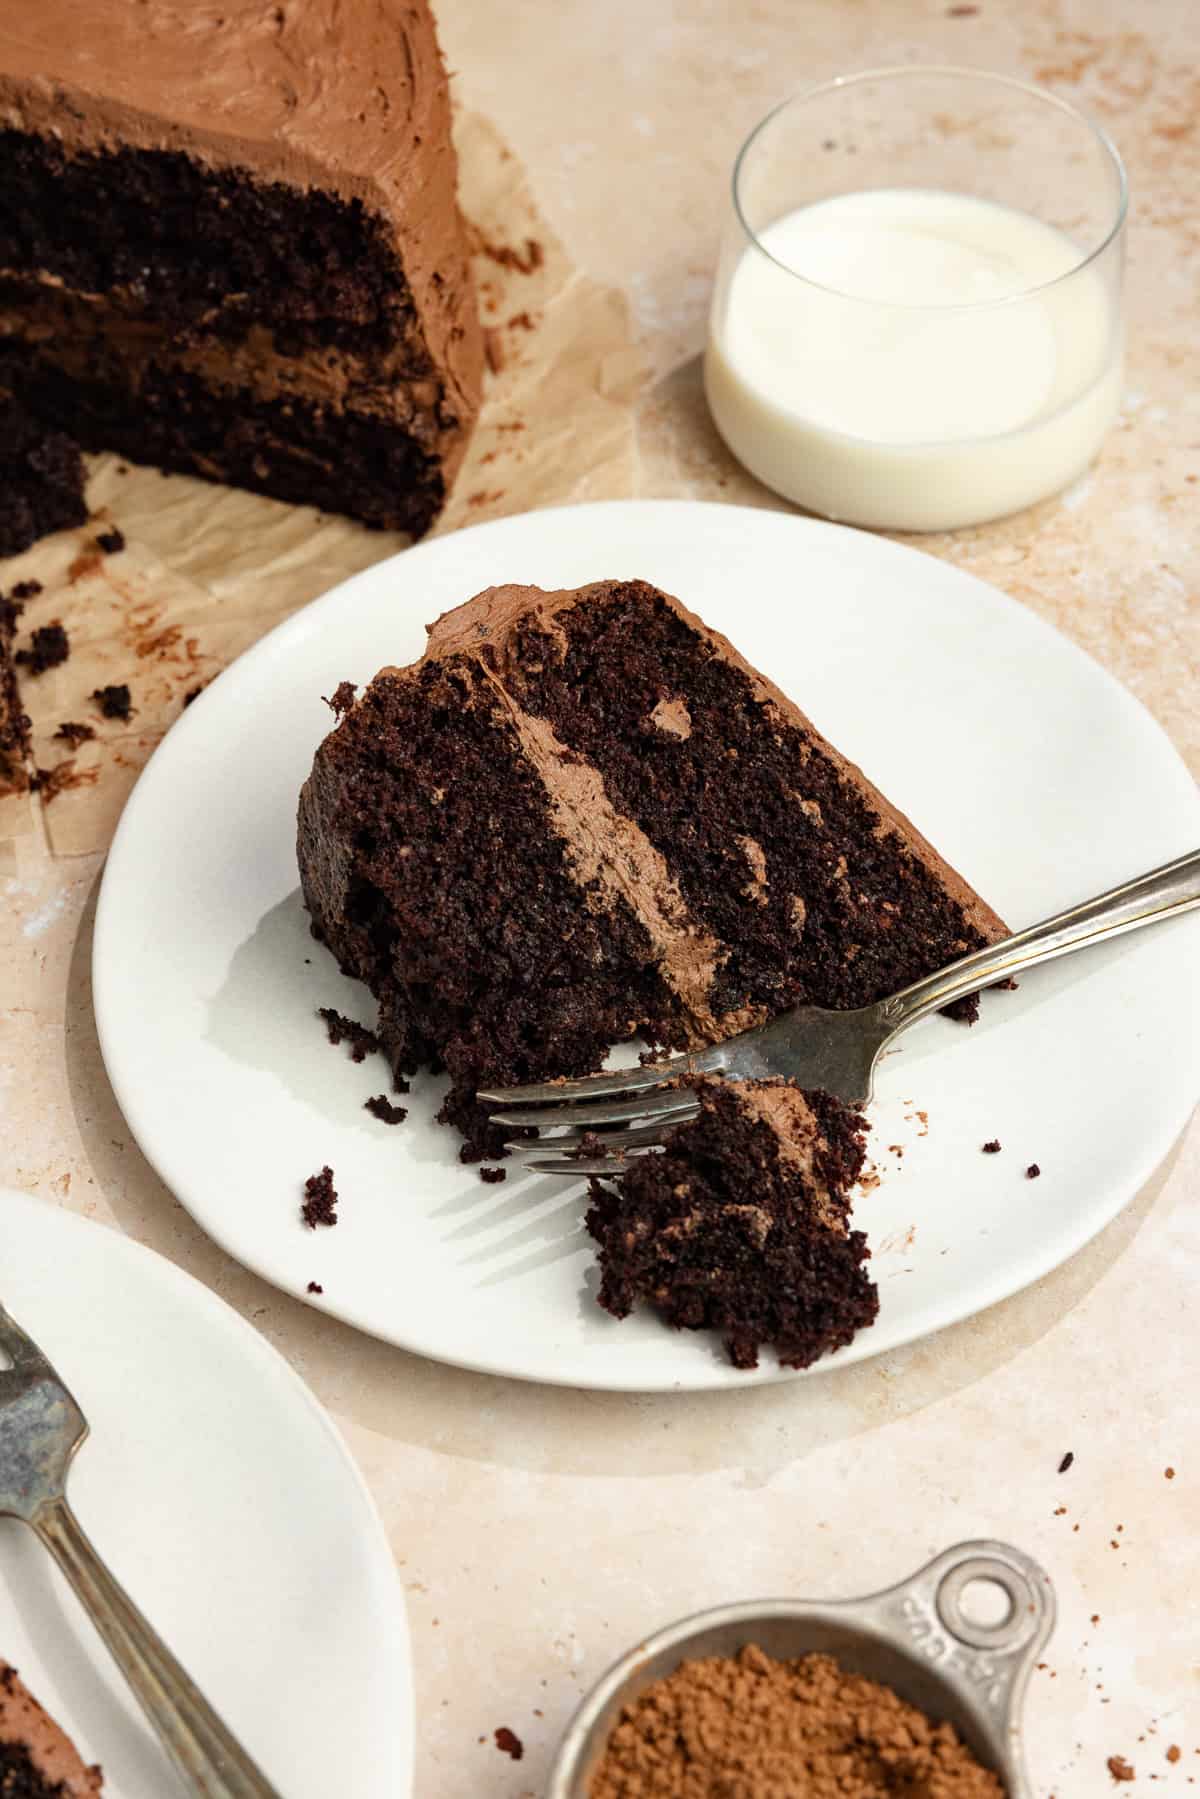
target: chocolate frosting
493 616
23 1721
349 96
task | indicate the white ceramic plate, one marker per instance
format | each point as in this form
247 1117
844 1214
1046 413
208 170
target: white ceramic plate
222 1497
1028 766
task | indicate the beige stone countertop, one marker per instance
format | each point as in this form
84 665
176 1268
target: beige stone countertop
542 1532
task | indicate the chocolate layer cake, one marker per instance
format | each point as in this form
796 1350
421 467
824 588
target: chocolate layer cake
230 244
741 1224
37 1759
14 724
581 817
41 480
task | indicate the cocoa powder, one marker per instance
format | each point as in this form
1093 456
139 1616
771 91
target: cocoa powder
750 1727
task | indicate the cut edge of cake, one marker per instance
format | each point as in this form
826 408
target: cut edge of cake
740 1225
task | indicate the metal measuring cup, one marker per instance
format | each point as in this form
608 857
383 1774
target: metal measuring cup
915 1638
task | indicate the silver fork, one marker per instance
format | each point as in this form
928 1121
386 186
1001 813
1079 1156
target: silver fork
634 1108
41 1427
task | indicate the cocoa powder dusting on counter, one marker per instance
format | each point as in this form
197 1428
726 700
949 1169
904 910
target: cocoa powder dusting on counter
748 1724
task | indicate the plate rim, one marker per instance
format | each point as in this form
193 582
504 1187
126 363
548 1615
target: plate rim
370 1526
988 1293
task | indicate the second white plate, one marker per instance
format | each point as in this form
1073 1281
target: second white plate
221 1496
1030 768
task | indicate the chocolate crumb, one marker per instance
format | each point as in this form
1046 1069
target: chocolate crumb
382 1108
1168 1474
510 1742
51 645
1032 1172
320 1199
1066 1461
492 1175
1174 1752
992 1148
74 734
348 1030
315 1287
342 697
193 693
525 262
1119 1768
26 590
113 701
110 541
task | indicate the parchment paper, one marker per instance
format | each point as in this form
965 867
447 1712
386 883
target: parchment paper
207 570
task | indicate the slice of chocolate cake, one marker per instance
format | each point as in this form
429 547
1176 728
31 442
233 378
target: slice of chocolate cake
581 817
230 244
37 1759
741 1224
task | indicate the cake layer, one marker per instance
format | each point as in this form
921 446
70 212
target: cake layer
41 480
713 858
94 334
37 1758
291 449
784 851
14 724
740 1225
435 862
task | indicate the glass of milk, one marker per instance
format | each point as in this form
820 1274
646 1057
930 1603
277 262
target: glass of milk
917 317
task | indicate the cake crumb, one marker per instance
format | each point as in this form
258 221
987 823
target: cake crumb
74 734
1120 1769
348 1030
492 1175
113 701
314 1287
1032 1172
1168 1474
1066 1461
26 590
992 1147
342 698
50 646
382 1108
1174 1752
508 1741
320 1199
110 541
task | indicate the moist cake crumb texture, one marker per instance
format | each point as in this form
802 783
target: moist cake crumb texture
49 646
581 818
340 1029
320 1199
382 1108
114 701
41 477
741 1224
313 333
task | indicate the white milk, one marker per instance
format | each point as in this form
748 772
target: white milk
862 393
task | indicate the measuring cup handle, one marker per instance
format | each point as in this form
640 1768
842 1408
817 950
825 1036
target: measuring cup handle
988 1664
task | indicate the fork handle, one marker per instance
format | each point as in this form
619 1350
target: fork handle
209 1759
1160 894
